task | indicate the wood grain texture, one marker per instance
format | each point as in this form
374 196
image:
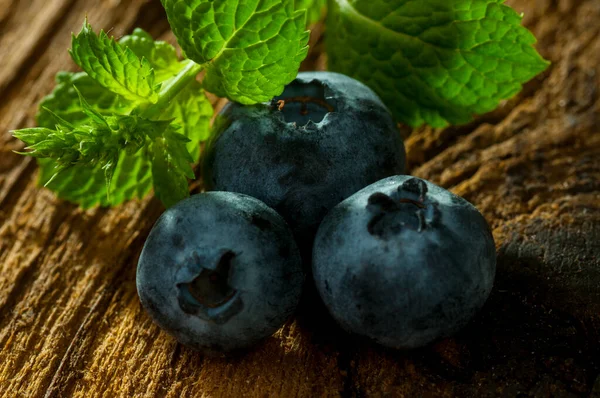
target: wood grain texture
71 323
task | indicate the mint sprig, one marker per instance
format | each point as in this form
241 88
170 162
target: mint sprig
98 143
114 66
86 185
136 104
102 125
431 61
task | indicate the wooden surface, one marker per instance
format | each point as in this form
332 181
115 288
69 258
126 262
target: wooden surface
71 323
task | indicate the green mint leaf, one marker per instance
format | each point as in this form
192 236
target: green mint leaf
65 103
86 186
97 143
191 110
33 137
251 49
314 9
171 167
101 148
161 55
109 169
93 150
94 145
433 61
114 66
94 116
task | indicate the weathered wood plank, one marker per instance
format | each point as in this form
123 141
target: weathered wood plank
71 322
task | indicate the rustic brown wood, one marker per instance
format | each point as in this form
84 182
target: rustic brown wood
71 322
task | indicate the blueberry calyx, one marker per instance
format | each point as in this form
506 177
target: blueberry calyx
392 214
206 290
301 104
414 185
304 101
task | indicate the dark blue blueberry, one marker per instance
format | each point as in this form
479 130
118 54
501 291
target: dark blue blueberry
324 138
220 271
404 262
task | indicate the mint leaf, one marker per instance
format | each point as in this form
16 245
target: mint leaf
251 49
64 101
98 142
161 56
73 121
86 186
101 148
96 149
115 67
171 167
433 61
314 9
192 111
190 108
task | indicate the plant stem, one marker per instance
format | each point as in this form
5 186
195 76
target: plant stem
171 88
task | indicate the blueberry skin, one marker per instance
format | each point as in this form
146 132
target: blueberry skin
404 262
220 271
332 137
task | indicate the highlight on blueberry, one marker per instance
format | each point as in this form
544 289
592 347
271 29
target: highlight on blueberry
324 138
220 271
404 262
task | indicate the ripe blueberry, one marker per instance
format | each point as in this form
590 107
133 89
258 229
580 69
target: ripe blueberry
324 138
220 271
404 262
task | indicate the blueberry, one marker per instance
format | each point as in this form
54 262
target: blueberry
404 262
220 271
324 138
